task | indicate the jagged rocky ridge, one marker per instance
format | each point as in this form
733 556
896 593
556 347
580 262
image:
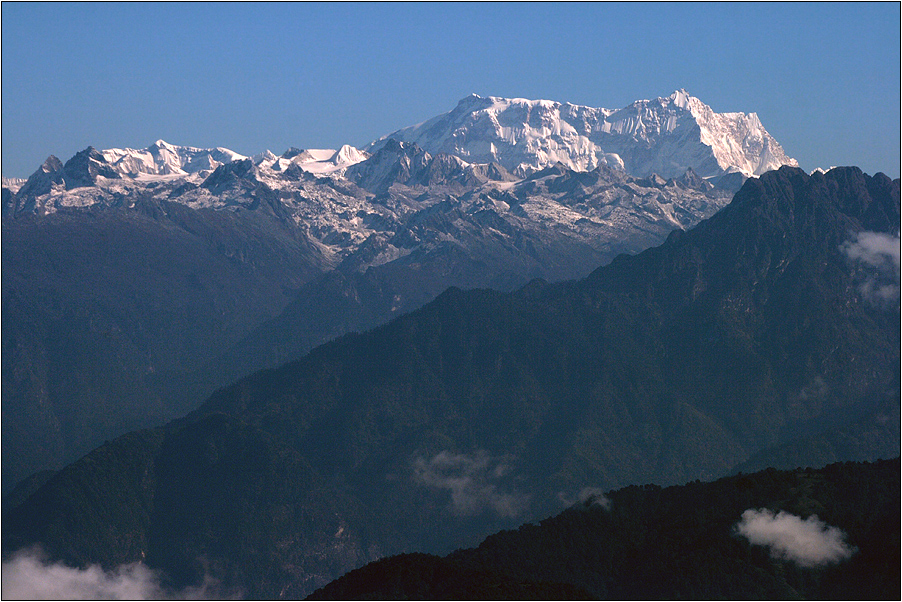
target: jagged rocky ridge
129 295
774 322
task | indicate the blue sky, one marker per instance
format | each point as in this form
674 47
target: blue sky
823 78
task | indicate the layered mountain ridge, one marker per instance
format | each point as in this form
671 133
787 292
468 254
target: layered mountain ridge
773 322
345 385
330 241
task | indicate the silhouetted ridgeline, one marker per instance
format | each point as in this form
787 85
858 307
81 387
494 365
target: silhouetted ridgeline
683 542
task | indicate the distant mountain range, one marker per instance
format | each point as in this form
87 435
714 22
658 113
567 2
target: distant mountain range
665 136
271 370
136 282
767 333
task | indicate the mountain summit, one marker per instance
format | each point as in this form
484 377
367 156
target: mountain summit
162 158
662 136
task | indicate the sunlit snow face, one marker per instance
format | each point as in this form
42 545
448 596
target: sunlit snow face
663 136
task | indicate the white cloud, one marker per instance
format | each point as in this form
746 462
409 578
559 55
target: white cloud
27 576
591 496
881 254
474 482
809 542
874 248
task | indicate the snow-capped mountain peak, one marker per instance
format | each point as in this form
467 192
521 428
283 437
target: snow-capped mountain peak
681 98
738 141
162 158
348 155
162 144
665 136
320 161
267 157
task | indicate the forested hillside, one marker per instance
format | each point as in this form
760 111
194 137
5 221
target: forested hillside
681 542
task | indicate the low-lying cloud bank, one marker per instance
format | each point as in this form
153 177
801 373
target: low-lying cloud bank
587 496
808 543
475 481
28 576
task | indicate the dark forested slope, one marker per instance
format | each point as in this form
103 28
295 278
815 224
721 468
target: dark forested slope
774 323
682 542
128 301
107 310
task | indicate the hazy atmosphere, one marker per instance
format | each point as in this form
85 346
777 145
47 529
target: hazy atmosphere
823 78
455 301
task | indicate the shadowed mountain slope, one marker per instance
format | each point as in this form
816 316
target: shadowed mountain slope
104 310
775 320
649 543
128 300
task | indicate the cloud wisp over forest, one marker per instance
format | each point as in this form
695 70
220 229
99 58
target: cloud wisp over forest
808 543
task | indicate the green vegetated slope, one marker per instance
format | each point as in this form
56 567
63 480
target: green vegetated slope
765 326
681 542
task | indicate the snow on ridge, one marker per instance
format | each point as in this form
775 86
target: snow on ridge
314 155
162 158
348 155
266 157
738 140
326 161
14 184
666 136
